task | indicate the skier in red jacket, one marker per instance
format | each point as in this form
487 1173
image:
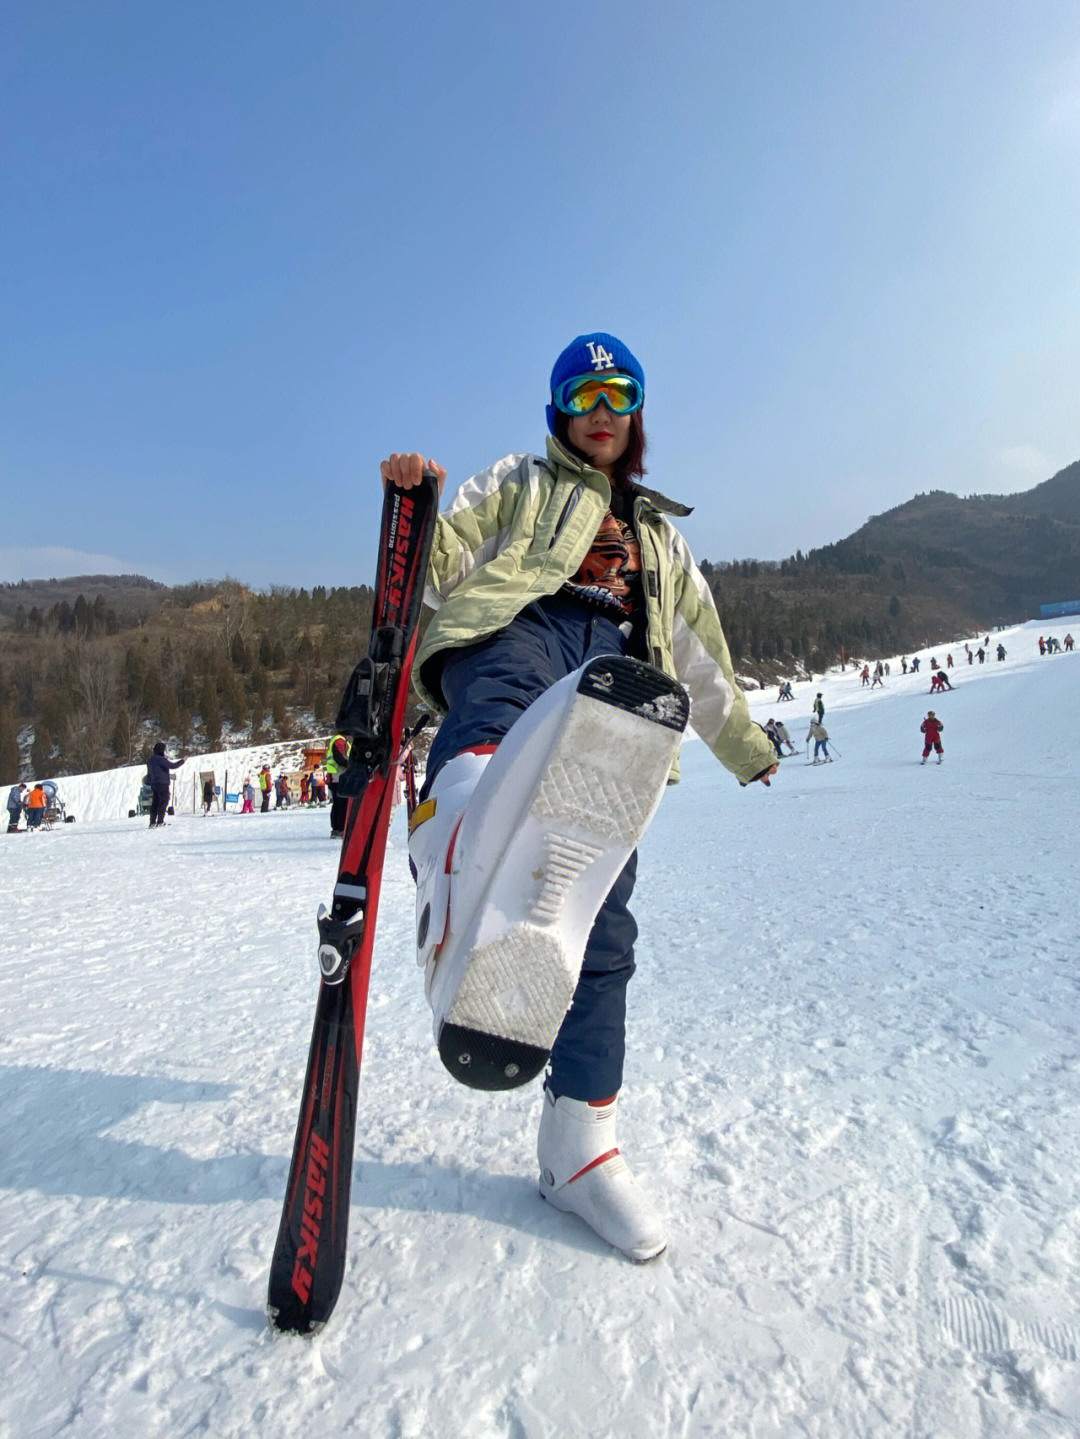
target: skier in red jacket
931 728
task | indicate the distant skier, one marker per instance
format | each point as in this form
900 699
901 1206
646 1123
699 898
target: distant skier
1000 653
915 665
783 736
819 707
1068 643
159 769
337 761
948 661
543 565
819 735
865 675
14 806
940 682
785 691
266 788
879 676
931 728
208 794
248 791
774 738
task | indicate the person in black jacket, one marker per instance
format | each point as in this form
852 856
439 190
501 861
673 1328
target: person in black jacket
159 771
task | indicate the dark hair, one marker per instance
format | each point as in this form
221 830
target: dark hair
631 463
159 748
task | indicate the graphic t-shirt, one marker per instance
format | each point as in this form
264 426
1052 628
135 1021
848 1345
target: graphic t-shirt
609 578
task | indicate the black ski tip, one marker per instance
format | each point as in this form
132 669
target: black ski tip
640 688
486 1061
290 1320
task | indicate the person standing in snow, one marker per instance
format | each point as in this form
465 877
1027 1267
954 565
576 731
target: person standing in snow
783 736
266 788
819 707
14 806
159 770
931 728
541 564
818 733
208 794
1000 653
35 807
1069 643
248 791
337 759
774 738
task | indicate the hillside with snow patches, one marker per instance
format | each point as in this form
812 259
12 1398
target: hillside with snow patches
853 1087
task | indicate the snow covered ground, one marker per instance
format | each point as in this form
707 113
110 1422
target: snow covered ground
853 1086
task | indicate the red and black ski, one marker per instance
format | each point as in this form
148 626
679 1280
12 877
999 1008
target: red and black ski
309 1257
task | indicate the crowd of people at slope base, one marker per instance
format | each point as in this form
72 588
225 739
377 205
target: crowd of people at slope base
317 788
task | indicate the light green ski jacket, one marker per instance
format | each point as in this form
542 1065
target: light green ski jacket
521 529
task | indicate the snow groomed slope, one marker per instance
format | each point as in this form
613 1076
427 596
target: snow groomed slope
853 1086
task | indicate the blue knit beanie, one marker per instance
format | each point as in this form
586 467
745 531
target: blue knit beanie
591 355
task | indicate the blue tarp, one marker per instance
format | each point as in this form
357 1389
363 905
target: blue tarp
1063 607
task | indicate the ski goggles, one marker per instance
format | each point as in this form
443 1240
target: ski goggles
621 393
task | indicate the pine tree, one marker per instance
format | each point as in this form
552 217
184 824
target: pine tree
9 748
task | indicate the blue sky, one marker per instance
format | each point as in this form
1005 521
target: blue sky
247 249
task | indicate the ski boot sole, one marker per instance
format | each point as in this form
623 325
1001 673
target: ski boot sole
508 987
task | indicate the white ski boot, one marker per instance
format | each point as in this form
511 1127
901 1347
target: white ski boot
509 889
583 1173
432 833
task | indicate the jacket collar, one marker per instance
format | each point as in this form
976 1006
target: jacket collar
557 455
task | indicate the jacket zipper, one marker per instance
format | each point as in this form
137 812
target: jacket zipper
650 574
567 510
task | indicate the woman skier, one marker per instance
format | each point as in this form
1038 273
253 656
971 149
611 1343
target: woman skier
540 565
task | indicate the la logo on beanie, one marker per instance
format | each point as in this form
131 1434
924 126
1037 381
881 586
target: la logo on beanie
601 359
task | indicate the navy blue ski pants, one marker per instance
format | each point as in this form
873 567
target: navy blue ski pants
487 686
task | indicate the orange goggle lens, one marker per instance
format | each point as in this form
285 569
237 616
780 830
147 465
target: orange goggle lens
621 393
